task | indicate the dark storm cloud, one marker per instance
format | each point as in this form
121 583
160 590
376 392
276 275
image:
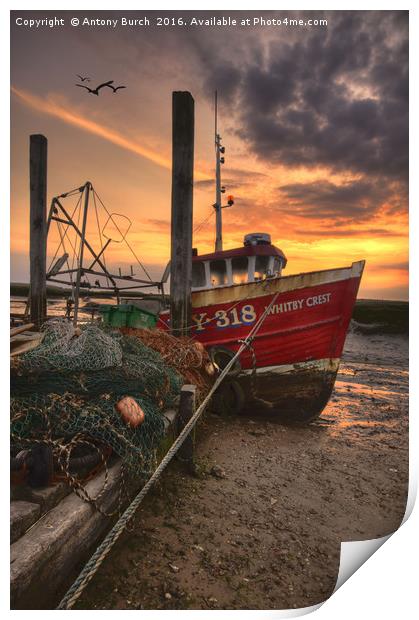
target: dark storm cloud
235 179
158 225
323 199
204 184
334 96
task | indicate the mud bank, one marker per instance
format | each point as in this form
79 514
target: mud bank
261 526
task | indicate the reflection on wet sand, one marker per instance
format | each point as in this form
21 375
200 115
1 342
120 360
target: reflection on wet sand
370 396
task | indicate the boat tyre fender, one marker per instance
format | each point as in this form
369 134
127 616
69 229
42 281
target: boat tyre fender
220 356
229 398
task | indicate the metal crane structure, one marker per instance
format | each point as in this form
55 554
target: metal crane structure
80 258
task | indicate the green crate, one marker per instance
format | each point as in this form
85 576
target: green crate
115 316
105 312
137 317
127 315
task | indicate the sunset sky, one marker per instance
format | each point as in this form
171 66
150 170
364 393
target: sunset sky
314 121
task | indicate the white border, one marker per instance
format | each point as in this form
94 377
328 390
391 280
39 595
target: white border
386 585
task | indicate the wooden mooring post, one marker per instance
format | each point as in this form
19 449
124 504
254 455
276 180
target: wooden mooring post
182 210
186 411
38 228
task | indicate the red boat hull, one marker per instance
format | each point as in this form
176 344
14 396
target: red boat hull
290 368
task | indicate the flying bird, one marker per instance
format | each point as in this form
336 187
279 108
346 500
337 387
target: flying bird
115 88
95 91
83 79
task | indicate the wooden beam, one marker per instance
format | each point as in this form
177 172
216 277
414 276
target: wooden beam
183 122
14 331
186 411
38 228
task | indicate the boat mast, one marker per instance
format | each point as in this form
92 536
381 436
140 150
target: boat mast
218 189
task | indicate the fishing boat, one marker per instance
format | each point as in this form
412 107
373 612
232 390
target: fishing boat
289 370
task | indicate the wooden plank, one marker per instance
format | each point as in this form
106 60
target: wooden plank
38 227
22 516
43 559
16 348
182 209
26 337
21 328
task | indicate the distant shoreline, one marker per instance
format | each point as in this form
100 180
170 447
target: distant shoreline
375 316
21 289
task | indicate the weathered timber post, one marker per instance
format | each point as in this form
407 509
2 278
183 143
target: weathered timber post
186 411
38 227
182 208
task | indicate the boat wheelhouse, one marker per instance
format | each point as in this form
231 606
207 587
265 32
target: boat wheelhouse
257 260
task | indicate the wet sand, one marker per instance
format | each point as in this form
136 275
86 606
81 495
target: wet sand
260 526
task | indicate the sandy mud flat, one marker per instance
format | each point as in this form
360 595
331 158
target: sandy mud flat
260 526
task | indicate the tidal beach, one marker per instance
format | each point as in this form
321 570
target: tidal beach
261 525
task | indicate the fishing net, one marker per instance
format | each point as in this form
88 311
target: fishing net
187 356
65 348
71 382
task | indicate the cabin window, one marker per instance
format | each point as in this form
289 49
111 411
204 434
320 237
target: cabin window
198 275
277 266
240 266
218 272
261 267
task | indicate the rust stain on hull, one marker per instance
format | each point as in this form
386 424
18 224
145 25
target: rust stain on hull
295 395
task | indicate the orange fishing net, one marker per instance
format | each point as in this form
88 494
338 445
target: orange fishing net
187 356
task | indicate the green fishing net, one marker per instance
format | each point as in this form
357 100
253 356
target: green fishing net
71 382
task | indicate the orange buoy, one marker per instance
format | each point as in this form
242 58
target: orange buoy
198 345
130 411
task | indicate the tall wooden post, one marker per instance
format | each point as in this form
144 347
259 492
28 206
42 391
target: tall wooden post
38 227
182 209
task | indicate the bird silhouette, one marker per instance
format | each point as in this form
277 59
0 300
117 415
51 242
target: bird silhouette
95 91
115 88
83 79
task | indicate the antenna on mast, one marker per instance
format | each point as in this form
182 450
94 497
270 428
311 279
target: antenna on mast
219 189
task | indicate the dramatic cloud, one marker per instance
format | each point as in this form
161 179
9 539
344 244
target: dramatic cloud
323 199
235 178
156 225
337 98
